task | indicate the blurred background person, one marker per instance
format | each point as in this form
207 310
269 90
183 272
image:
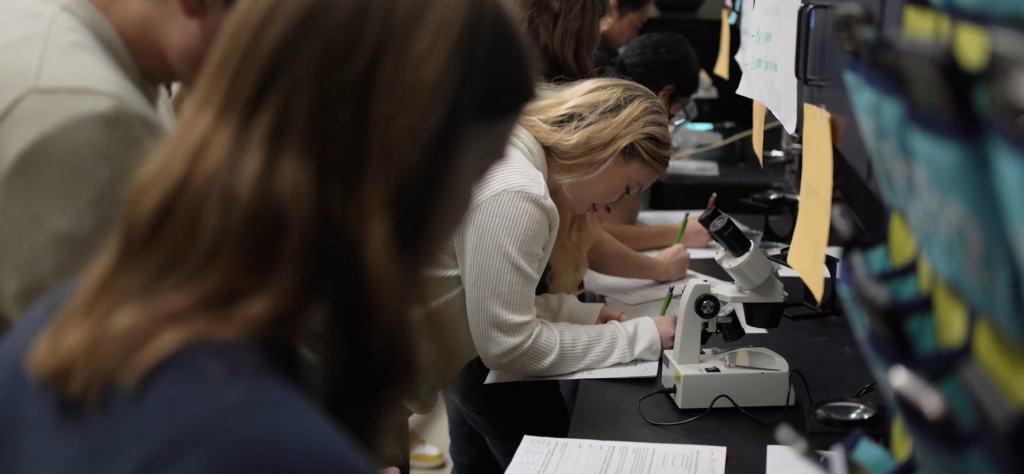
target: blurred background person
544 21
300 194
665 63
565 33
619 27
81 95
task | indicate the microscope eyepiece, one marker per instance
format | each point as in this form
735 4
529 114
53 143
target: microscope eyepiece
725 232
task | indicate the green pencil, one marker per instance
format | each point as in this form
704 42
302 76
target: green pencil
668 299
682 227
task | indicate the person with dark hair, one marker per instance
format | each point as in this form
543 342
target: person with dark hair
666 64
565 34
619 27
288 218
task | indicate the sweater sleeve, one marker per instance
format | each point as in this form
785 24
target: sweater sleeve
563 308
61 197
500 247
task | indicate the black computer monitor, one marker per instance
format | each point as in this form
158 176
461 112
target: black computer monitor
819 72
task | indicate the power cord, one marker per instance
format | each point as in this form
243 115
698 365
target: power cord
785 409
866 390
807 390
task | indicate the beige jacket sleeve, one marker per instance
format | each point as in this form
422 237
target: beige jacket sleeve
499 247
61 195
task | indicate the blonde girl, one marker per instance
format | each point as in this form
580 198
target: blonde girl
577 148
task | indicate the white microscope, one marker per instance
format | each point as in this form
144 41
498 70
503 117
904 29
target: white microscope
751 376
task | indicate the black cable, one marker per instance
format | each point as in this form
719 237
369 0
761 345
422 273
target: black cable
785 410
866 390
807 388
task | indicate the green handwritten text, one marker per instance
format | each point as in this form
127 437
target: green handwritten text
762 37
766 9
766 64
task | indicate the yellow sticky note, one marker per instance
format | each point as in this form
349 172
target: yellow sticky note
810 238
722 63
758 137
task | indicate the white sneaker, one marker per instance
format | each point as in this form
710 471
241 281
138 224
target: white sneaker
425 456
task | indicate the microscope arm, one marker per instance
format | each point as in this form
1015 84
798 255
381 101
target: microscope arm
755 283
699 379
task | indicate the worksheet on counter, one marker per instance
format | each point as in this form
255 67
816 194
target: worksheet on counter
837 252
648 218
581 456
786 460
628 370
644 297
635 291
693 168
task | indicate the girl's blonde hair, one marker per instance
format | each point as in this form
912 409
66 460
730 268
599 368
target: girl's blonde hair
584 127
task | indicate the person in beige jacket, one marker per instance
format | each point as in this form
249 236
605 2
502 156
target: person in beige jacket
80 101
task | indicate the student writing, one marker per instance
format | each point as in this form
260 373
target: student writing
577 147
666 64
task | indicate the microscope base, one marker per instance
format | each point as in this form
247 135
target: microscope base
696 387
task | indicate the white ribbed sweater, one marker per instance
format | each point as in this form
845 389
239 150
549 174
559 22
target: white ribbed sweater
487 276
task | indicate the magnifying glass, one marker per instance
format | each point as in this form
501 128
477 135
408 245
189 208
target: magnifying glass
844 412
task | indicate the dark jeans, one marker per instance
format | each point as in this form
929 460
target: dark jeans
487 422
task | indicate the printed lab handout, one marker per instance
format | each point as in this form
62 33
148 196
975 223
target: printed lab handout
628 370
581 456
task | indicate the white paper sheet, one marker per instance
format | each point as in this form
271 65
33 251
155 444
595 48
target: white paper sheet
629 370
653 307
785 271
579 456
786 460
693 168
746 18
633 291
695 254
667 217
675 217
769 54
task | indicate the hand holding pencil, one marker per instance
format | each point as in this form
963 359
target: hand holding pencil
682 228
675 261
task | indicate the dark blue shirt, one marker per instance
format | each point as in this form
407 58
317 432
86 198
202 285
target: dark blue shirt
210 408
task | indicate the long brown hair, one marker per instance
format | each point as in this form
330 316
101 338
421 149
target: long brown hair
307 180
566 34
584 127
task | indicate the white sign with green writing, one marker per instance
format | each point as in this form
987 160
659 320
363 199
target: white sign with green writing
767 56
